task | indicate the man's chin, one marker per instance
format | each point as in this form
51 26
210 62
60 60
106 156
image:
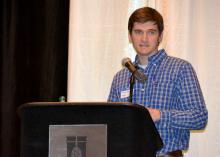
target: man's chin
144 53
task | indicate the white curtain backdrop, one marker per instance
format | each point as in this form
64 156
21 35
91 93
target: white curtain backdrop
98 41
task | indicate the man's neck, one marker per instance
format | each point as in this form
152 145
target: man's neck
143 60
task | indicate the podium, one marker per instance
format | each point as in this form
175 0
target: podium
56 129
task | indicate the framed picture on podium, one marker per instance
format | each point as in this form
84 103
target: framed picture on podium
87 140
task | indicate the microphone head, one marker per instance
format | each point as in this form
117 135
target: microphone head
125 60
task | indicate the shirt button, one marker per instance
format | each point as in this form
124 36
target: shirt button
142 90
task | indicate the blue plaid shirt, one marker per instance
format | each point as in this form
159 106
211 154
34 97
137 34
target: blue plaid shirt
173 88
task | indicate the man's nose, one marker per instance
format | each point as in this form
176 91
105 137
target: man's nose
144 37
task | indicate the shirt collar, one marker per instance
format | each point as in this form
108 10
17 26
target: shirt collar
155 59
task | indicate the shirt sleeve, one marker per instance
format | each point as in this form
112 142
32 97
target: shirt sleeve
113 92
191 112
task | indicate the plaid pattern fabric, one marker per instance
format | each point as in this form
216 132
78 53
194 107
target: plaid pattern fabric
173 88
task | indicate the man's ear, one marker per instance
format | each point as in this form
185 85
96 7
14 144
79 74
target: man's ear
160 38
129 37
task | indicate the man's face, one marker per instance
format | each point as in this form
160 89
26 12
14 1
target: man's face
145 38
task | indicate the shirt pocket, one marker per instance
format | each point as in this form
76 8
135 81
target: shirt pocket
162 94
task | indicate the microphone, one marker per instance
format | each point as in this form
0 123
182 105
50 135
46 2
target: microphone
137 74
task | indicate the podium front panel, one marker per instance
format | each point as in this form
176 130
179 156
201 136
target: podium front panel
130 130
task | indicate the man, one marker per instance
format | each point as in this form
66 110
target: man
171 93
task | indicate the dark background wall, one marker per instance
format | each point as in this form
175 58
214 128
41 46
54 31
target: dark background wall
33 60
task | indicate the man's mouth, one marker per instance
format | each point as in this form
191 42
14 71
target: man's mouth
144 45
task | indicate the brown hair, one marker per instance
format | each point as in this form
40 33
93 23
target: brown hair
146 14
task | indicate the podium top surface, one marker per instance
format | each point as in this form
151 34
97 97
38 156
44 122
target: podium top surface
83 104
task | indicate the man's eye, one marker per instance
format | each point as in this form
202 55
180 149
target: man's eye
138 32
152 32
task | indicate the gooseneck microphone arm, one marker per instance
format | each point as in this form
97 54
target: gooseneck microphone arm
132 81
138 75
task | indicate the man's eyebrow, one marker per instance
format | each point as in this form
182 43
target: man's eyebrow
152 29
137 29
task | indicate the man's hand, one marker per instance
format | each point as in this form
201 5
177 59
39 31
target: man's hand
155 114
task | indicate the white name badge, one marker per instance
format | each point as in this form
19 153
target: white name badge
125 94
